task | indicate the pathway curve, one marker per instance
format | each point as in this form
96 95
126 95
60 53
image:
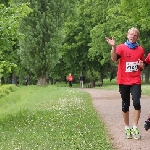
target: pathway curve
108 105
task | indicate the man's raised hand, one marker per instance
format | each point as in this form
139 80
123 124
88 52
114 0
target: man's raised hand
110 41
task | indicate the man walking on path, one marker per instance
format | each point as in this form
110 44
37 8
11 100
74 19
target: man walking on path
130 57
81 78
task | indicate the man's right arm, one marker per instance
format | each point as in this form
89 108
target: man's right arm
113 53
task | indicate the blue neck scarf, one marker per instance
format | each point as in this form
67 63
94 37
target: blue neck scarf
131 45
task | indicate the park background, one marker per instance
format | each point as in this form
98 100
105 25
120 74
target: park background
46 40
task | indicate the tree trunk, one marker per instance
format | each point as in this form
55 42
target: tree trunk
10 79
101 78
42 80
2 80
53 81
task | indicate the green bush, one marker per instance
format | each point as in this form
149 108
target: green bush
7 89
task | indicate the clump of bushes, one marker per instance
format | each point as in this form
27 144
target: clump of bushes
7 89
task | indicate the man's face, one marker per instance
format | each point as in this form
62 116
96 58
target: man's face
132 36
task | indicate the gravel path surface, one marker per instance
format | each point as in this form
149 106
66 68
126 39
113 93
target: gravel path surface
108 105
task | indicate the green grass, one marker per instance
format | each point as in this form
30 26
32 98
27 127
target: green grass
51 118
146 89
109 85
113 86
54 117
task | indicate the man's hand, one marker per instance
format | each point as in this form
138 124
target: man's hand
141 64
113 51
110 41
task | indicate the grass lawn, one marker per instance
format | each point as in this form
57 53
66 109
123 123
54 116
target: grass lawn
54 117
50 118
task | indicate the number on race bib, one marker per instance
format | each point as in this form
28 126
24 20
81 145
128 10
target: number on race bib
131 67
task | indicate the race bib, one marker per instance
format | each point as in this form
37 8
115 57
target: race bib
131 66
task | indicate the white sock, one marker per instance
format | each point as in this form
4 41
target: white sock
134 127
127 127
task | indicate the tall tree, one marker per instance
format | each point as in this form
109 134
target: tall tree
97 54
39 49
11 14
77 30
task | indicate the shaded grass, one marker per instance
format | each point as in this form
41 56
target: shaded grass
45 118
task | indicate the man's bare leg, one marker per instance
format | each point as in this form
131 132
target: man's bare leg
126 118
136 116
128 134
135 131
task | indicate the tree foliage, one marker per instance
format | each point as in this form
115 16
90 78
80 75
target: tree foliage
10 17
39 49
119 17
50 48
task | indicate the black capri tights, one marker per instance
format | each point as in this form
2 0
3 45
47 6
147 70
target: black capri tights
135 91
